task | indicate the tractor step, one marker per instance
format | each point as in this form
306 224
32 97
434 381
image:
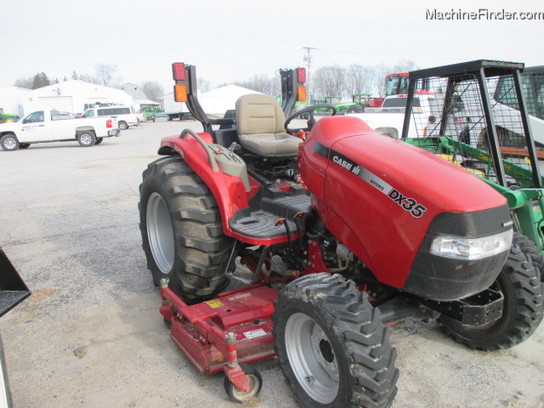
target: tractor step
276 215
262 224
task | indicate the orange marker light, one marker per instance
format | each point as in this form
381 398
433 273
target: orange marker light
301 93
180 93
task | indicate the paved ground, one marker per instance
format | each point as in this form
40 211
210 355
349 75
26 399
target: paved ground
91 334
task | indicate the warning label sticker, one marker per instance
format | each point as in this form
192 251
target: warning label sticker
253 334
214 304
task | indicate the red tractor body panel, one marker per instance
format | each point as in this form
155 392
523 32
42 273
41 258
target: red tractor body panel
228 191
378 196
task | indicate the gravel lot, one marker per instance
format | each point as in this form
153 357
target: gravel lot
91 334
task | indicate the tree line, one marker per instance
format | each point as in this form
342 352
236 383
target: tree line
327 81
336 81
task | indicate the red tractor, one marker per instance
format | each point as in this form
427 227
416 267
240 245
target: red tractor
345 231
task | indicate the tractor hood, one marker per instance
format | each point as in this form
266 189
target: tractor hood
389 202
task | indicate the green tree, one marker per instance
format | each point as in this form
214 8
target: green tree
40 80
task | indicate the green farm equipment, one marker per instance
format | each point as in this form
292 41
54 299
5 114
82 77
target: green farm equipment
341 107
150 112
6 117
483 125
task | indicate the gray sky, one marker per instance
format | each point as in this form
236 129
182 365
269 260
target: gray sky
236 39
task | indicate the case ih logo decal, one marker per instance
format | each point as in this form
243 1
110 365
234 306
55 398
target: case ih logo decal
407 204
348 165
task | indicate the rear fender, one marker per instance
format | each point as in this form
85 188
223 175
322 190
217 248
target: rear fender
81 129
229 191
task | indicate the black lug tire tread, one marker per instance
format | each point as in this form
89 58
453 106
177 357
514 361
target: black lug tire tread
372 379
522 313
529 247
201 248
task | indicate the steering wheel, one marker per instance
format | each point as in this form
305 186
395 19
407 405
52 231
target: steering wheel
311 120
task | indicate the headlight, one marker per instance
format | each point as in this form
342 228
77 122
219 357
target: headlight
448 246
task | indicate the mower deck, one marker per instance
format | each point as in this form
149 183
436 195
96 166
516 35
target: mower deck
202 330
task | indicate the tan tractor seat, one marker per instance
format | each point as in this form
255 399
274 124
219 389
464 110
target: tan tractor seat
259 123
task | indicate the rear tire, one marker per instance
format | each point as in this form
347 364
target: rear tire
86 138
181 230
519 282
122 125
332 345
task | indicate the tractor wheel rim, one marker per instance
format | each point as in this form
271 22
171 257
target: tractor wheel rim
10 143
86 139
312 358
160 233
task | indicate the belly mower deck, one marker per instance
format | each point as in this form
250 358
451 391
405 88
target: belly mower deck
222 333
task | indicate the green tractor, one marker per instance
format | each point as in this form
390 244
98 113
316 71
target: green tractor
341 107
481 122
6 117
150 112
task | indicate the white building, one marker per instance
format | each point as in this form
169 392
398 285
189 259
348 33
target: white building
138 95
11 99
74 96
217 101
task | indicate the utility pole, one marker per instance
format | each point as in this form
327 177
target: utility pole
308 60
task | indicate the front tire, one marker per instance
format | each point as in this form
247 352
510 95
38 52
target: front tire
9 142
520 284
332 345
181 230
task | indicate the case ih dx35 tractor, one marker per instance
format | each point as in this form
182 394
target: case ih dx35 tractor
345 231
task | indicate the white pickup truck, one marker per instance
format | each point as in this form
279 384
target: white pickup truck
44 126
389 119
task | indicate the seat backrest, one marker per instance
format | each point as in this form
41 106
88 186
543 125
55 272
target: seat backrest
259 114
